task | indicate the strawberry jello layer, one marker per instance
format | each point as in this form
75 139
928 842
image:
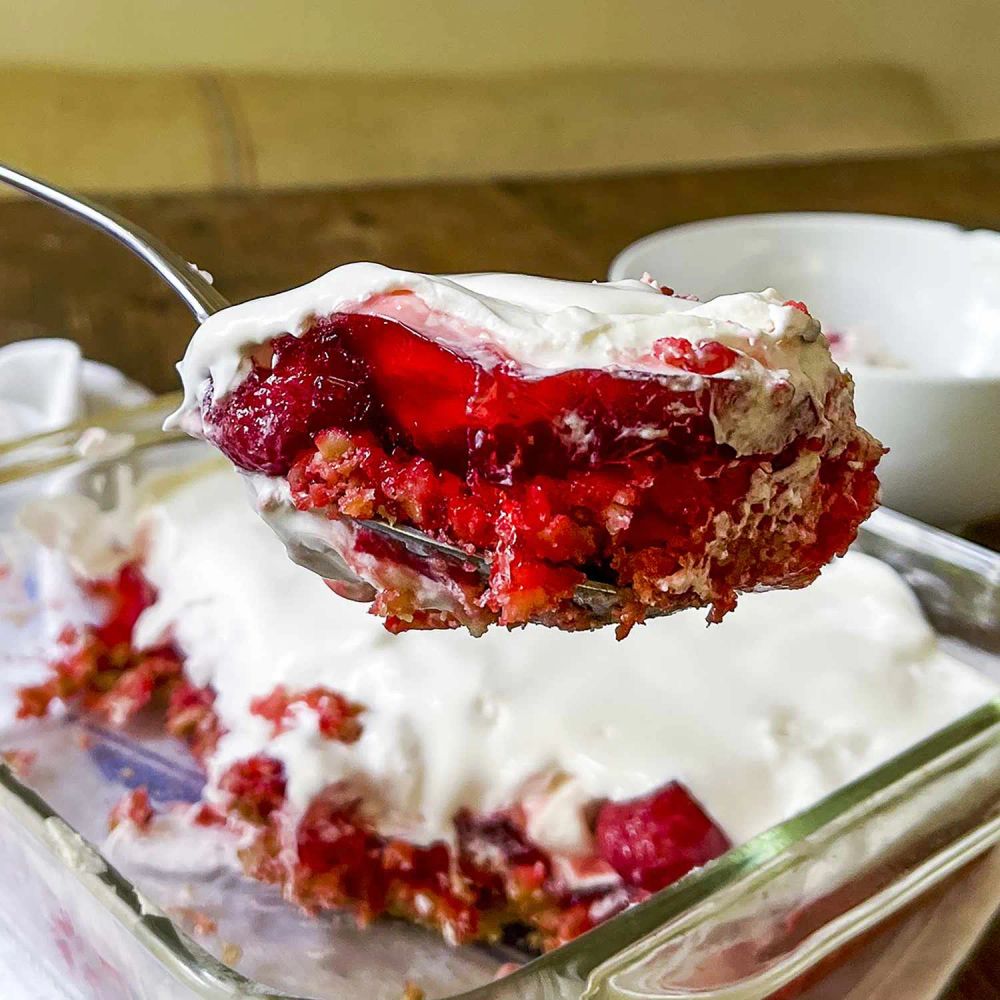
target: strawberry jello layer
539 778
683 452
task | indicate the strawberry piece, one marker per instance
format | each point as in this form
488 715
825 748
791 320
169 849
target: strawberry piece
704 358
311 383
654 840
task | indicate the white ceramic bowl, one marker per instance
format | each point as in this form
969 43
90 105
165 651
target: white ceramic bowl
926 293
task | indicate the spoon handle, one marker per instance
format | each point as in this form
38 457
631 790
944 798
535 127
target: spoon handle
114 432
184 278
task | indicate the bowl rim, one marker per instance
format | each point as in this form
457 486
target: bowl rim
619 267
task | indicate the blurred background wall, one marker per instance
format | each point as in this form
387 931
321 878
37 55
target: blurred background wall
191 93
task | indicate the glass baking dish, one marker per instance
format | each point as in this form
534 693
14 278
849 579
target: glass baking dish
117 922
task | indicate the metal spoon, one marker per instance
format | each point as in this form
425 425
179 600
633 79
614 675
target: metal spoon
198 294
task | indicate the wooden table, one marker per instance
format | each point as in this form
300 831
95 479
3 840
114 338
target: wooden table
58 279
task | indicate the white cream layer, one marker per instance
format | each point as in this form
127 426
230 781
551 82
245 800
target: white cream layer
795 694
541 324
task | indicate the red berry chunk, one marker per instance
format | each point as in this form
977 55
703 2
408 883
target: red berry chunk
653 841
133 808
256 787
272 415
337 716
704 358
795 304
130 594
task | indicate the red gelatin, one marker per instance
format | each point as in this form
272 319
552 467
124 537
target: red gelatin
130 595
337 717
256 787
355 372
328 839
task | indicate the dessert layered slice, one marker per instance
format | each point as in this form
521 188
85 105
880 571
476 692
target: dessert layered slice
522 787
556 433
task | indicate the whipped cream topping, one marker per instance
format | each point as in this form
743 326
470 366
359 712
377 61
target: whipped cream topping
797 693
543 325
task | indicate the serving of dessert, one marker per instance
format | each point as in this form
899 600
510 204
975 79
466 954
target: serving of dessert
549 433
523 786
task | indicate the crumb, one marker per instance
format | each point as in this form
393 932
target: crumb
412 992
231 953
200 923
68 636
205 814
20 761
134 807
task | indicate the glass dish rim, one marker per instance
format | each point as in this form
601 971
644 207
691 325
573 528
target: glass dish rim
195 967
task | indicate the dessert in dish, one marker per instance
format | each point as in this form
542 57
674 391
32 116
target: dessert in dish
684 452
533 783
